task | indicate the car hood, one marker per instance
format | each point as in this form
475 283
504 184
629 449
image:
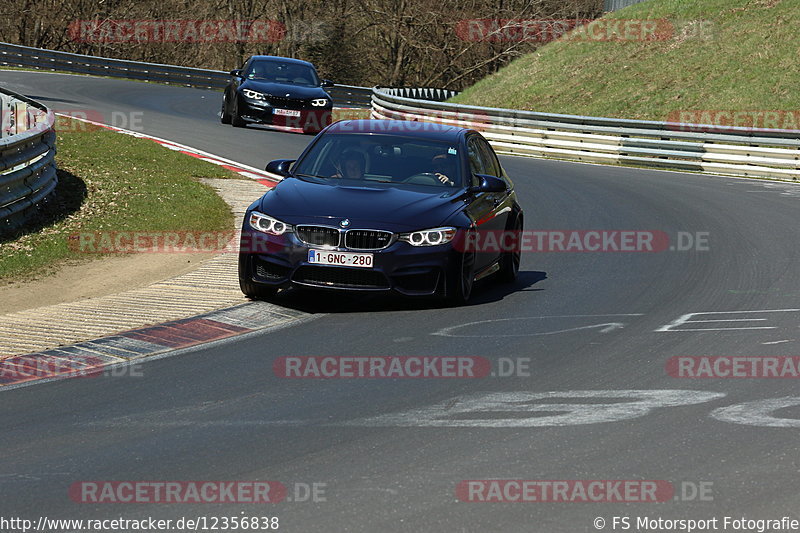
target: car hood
376 207
284 89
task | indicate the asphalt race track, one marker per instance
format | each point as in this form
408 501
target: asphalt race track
592 321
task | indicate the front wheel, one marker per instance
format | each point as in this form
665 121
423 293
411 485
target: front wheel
224 116
252 290
255 291
460 288
236 120
509 261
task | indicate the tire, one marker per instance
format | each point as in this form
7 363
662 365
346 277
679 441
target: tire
236 120
224 117
460 289
509 261
257 292
252 290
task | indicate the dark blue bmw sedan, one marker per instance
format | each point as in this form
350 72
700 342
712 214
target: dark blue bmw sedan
382 205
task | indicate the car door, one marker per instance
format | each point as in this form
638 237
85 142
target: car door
502 201
484 206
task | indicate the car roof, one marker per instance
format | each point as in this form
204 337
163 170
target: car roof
281 59
400 128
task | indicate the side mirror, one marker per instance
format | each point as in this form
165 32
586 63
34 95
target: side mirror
280 167
236 73
488 184
327 83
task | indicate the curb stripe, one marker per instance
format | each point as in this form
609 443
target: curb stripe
90 357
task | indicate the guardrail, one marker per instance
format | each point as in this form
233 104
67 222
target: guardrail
27 158
38 58
736 151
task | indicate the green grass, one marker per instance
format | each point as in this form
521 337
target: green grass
114 182
745 61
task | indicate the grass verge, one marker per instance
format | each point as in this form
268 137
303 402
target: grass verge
722 55
112 182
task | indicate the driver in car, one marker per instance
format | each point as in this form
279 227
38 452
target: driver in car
351 165
443 168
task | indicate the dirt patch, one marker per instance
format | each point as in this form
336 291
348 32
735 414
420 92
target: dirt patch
97 278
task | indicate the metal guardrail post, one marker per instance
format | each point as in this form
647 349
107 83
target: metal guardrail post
6 115
20 117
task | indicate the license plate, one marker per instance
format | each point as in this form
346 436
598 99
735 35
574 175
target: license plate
324 257
287 112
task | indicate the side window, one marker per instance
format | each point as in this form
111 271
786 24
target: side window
489 160
476 163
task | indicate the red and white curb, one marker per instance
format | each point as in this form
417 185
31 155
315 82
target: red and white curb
89 358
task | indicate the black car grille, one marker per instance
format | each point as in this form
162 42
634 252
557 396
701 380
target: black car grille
287 103
366 239
341 277
318 235
271 271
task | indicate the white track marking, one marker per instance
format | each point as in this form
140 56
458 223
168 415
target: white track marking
531 409
684 319
604 327
759 413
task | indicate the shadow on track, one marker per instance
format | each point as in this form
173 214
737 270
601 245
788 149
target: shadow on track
331 301
45 99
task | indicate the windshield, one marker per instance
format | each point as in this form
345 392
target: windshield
382 159
282 72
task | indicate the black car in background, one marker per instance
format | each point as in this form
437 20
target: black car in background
279 91
380 206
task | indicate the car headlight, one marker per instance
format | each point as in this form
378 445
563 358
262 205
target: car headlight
429 237
319 102
254 95
266 224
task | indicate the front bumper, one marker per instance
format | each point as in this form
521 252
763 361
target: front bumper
260 112
282 261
